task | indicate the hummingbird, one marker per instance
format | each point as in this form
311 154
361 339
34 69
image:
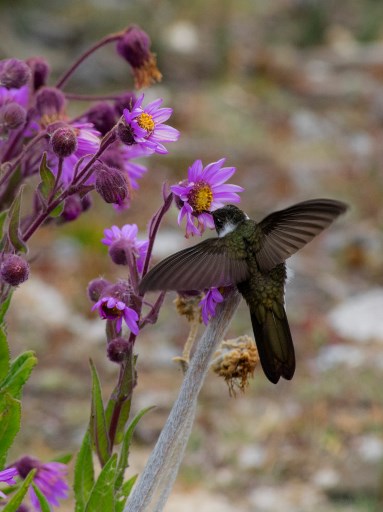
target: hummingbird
251 256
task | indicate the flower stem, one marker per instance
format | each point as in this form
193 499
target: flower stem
153 228
104 41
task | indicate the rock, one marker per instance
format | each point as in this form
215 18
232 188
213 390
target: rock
360 317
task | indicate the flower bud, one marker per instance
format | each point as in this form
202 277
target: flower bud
118 350
40 71
96 288
121 291
111 184
72 208
14 270
125 133
25 465
12 116
124 101
134 47
64 141
102 116
117 252
14 73
86 202
50 102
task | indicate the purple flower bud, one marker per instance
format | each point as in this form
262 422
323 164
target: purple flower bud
118 350
121 291
25 465
64 141
40 71
72 208
14 73
134 47
14 270
12 116
102 116
126 100
23 508
125 133
96 287
111 184
86 202
50 102
117 252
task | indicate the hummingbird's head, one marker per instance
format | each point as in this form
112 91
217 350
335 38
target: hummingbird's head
226 219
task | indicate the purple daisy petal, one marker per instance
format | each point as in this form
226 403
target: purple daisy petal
209 303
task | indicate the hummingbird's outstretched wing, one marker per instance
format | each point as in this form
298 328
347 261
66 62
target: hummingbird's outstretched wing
287 231
202 266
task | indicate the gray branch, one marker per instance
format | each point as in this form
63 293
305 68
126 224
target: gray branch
155 484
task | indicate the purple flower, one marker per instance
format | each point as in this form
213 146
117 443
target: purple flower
204 190
126 239
50 478
146 125
209 303
110 308
8 476
88 143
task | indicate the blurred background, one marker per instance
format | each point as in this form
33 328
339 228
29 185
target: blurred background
290 92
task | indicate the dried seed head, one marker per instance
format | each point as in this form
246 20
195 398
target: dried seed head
235 361
187 304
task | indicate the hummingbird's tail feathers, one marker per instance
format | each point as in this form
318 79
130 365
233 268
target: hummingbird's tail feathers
274 344
287 231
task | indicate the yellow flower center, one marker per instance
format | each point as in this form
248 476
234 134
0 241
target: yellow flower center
146 122
200 197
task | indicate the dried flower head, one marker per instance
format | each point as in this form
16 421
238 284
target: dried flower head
188 305
235 361
134 47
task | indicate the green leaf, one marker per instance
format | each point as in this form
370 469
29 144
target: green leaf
4 307
10 417
98 431
47 184
14 223
83 474
102 496
3 216
48 179
124 493
16 500
4 355
123 460
64 459
19 373
44 505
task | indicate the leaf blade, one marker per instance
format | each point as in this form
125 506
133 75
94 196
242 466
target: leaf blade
83 474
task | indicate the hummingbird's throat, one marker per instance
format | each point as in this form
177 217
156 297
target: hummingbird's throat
200 197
